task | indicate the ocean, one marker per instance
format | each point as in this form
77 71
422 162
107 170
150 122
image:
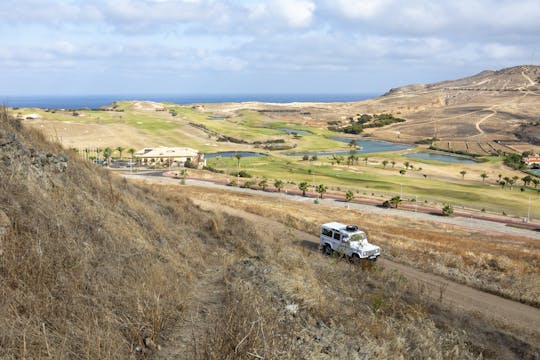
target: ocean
96 101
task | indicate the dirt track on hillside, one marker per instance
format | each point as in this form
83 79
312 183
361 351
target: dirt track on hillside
502 311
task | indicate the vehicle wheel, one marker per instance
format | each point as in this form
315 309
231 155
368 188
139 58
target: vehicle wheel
328 250
355 259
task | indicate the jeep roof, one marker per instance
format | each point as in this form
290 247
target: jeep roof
341 227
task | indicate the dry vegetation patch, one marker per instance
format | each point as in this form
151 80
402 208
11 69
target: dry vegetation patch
502 264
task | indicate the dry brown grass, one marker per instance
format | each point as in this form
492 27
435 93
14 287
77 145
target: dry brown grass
503 264
90 265
93 267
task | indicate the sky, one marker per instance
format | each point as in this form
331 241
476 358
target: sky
73 47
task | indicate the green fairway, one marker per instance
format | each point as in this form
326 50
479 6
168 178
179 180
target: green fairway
459 194
428 180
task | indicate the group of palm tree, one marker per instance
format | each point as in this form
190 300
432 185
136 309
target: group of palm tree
511 181
106 152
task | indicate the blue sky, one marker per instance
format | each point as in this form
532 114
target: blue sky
257 46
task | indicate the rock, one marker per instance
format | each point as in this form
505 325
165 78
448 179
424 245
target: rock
292 308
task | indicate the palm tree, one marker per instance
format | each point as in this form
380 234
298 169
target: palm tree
120 150
338 159
393 163
535 181
349 195
526 180
263 183
107 152
98 152
238 157
384 163
303 186
353 144
366 160
484 176
393 202
463 173
502 183
321 189
278 184
406 164
509 182
131 152
350 159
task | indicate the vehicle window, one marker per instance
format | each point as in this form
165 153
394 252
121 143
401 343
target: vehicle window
337 236
327 232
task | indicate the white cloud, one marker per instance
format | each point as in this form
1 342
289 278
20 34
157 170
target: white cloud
359 9
501 51
297 13
263 37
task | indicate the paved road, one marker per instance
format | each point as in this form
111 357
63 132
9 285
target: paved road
472 223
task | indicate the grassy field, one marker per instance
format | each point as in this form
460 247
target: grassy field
134 125
372 178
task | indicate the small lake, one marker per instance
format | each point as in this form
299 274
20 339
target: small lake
294 131
442 158
232 154
367 147
216 118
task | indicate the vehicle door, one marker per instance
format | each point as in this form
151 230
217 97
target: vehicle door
338 244
326 237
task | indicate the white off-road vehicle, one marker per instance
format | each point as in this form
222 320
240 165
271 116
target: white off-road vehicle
347 240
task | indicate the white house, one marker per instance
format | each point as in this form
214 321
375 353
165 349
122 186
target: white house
170 155
532 160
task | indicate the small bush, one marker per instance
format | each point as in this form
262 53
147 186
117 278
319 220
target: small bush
447 210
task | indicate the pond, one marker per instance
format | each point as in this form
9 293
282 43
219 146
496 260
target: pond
216 118
294 131
534 172
367 147
232 154
442 158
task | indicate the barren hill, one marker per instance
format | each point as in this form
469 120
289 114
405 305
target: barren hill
492 105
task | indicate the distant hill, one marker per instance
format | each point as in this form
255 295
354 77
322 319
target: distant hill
519 79
501 105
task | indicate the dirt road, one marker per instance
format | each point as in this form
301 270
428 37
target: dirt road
518 316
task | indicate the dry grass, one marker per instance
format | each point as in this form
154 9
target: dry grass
92 267
502 264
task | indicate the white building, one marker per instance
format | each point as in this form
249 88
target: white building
170 156
532 160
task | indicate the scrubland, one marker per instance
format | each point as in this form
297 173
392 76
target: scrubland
502 264
94 267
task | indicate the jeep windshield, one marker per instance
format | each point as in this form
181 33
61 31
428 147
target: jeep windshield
358 237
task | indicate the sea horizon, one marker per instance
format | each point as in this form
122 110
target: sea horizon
97 101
